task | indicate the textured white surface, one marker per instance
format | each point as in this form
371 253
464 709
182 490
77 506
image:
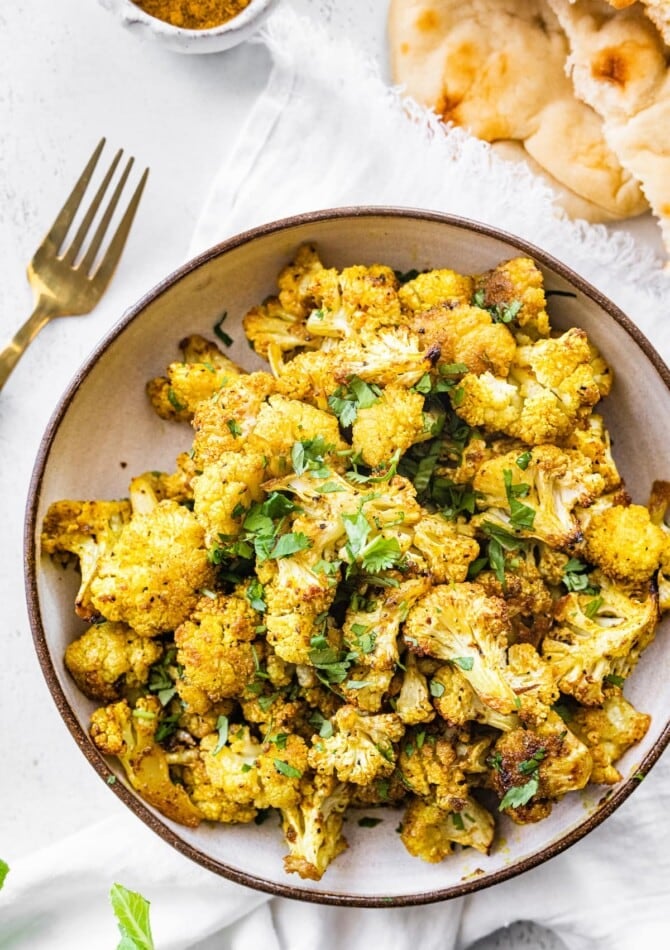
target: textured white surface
69 74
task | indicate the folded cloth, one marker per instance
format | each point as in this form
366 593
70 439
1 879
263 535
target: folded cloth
327 131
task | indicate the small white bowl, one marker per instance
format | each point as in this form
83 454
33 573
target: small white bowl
214 40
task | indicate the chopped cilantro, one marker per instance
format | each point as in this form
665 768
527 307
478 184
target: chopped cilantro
254 594
613 680
575 577
520 794
436 689
174 401
290 771
463 662
457 819
593 607
220 332
235 429
222 729
347 400
523 460
368 822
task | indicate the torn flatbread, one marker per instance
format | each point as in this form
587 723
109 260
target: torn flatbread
497 68
621 67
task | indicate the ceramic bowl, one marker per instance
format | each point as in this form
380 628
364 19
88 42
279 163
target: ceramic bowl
102 432
214 40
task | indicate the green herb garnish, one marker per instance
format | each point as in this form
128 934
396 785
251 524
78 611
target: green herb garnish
132 914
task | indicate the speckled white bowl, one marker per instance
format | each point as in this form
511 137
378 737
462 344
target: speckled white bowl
215 40
104 430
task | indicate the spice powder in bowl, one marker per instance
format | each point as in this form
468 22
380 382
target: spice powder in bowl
193 14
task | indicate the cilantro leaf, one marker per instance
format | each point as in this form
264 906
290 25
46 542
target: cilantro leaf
520 794
222 729
367 821
290 771
463 662
436 689
132 915
4 871
220 332
381 554
289 544
254 594
347 400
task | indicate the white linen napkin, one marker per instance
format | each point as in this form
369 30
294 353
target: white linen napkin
327 132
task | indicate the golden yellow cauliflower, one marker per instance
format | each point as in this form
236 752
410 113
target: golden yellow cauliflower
393 423
109 656
624 543
609 731
515 284
152 577
202 372
129 734
225 490
223 422
215 645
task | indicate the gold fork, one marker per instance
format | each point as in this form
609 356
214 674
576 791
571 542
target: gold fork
71 285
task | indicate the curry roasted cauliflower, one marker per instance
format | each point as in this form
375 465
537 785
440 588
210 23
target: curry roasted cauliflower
397 568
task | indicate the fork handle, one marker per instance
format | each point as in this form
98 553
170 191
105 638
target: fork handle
14 350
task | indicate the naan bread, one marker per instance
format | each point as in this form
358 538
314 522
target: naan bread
497 68
621 67
572 204
658 12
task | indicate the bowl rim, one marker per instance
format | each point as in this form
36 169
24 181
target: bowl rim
611 799
136 14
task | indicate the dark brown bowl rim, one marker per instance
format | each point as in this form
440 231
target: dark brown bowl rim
611 801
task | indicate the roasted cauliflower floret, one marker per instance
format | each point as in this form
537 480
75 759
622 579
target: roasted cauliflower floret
551 388
392 424
273 332
313 827
430 832
458 704
223 422
435 288
129 734
459 623
393 356
203 370
264 775
536 498
108 657
354 303
86 529
283 422
532 768
599 635
467 337
609 731
215 645
514 291
413 703
624 543
361 748
594 442
225 490
447 548
151 577
147 489
371 635
295 281
434 766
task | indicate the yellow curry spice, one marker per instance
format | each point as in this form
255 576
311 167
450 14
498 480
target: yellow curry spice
193 14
